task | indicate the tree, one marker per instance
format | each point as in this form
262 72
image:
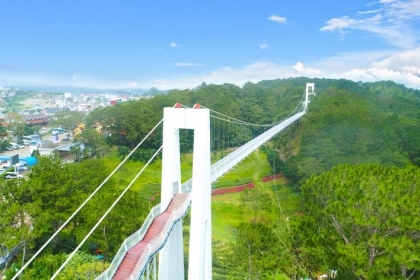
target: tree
93 141
123 151
14 120
69 119
83 266
16 219
353 127
118 225
256 252
363 220
4 137
57 188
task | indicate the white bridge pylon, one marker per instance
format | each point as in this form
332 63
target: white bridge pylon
310 90
171 258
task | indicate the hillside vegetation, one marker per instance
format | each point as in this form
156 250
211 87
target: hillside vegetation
347 201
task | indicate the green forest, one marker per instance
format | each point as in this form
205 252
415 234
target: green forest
346 205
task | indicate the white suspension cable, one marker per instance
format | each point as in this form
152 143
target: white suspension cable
241 122
83 204
234 120
106 214
275 187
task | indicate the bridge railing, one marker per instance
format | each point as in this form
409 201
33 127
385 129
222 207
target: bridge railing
186 186
218 169
152 247
133 239
159 240
129 243
224 165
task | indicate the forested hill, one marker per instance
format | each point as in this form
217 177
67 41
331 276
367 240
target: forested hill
373 123
347 122
360 219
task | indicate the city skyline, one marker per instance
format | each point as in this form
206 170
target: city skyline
165 44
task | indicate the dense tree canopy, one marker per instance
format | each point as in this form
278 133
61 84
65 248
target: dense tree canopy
33 209
128 122
362 220
357 126
68 119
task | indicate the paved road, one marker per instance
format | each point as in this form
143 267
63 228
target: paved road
25 152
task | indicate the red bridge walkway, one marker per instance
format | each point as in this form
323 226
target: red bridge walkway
133 255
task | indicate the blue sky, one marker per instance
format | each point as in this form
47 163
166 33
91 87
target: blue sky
180 44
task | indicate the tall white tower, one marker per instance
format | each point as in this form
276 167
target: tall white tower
171 259
310 90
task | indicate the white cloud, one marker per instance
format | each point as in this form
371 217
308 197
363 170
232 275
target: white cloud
301 70
341 62
184 64
263 46
412 70
338 24
174 45
390 21
257 71
368 12
278 19
401 9
370 4
254 72
387 1
377 74
400 66
365 66
400 59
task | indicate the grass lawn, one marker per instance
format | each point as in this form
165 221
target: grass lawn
253 168
226 216
149 181
227 211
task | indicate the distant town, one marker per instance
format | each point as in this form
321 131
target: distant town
28 102
26 113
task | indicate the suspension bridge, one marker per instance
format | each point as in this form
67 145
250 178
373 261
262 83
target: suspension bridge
155 251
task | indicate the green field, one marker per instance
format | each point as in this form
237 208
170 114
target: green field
227 211
226 216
